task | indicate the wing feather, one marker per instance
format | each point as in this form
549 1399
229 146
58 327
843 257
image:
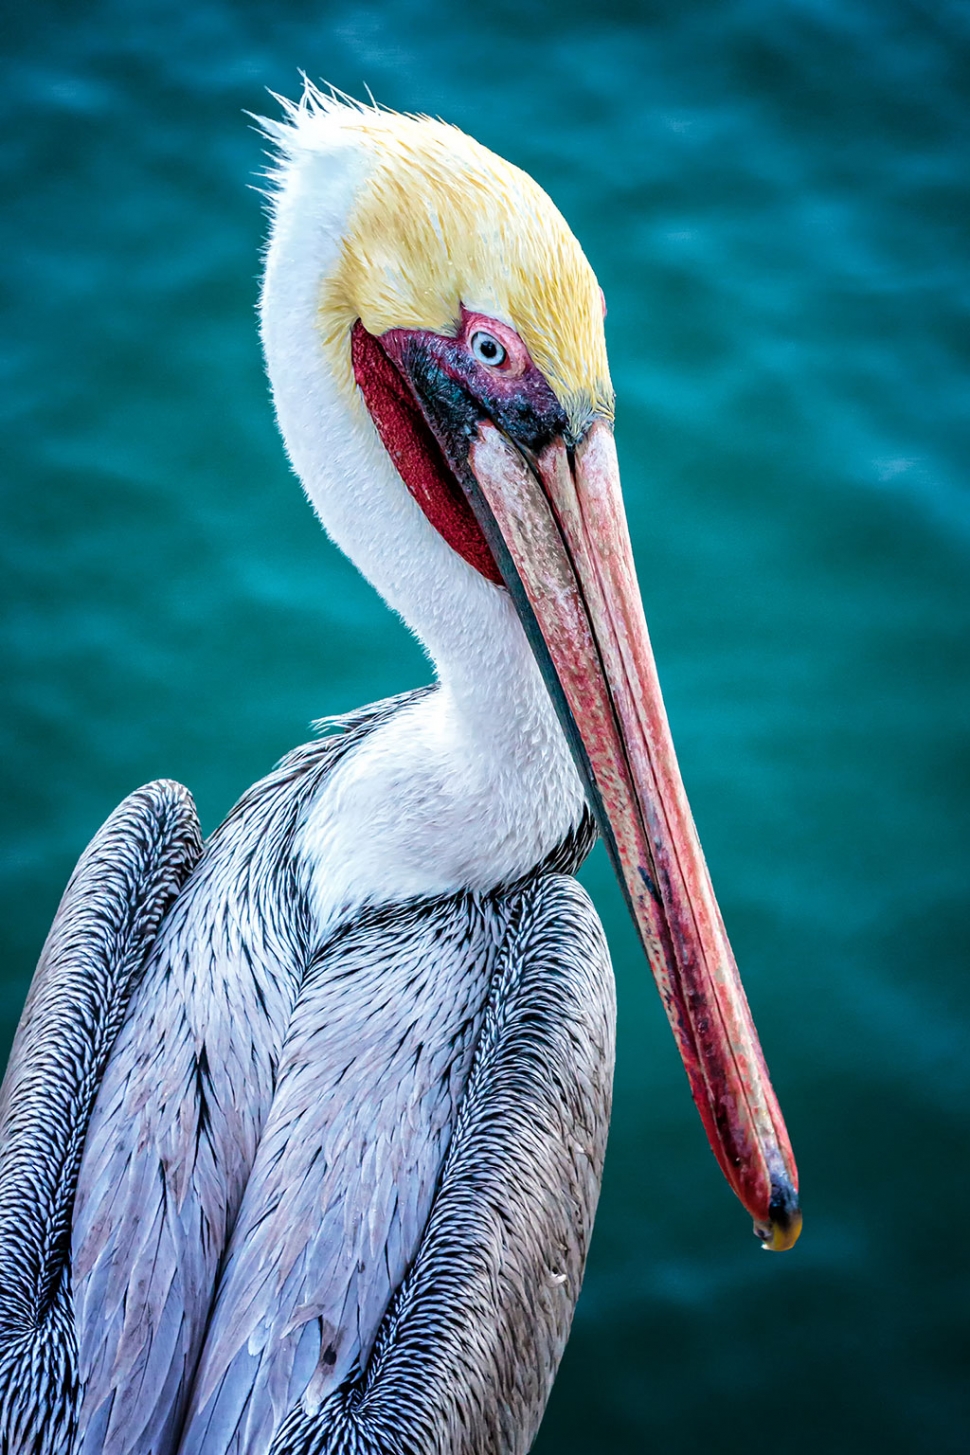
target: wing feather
342 1236
181 1109
466 1355
107 922
378 1048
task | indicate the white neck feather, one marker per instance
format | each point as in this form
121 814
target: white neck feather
475 784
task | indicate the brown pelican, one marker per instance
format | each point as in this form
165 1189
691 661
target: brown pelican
302 1132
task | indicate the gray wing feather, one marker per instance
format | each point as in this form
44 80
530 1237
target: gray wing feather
105 926
376 1059
465 1357
177 1122
181 1109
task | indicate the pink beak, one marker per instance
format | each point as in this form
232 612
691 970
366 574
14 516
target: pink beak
559 534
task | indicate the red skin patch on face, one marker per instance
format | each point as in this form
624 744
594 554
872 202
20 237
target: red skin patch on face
416 453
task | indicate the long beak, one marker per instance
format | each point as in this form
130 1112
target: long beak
558 532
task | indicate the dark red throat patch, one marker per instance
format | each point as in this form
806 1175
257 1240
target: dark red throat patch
417 454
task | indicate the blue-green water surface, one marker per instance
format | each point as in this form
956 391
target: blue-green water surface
774 194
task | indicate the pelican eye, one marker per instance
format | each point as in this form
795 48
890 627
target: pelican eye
486 349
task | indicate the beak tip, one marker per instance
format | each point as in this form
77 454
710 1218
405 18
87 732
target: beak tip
783 1227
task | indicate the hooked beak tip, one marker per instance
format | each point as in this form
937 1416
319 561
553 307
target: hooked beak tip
784 1225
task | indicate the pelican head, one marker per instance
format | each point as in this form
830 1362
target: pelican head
434 339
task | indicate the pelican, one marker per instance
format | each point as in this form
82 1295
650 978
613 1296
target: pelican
302 1130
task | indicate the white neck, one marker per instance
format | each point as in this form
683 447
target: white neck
473 785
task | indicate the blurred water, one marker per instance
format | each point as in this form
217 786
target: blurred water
775 198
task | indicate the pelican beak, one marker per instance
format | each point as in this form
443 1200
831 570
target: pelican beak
553 528
557 529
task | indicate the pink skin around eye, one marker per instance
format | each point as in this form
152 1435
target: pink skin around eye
516 359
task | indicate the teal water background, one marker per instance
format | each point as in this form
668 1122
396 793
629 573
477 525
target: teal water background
775 198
